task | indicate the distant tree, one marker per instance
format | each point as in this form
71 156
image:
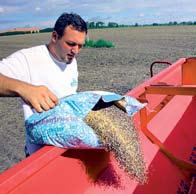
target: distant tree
13 33
189 23
173 23
112 24
46 30
99 24
183 23
155 24
136 24
123 25
91 25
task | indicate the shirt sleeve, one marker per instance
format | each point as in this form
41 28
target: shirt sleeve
15 66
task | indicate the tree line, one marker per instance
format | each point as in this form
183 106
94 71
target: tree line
100 24
174 23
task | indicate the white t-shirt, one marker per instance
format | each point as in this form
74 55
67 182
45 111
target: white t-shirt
37 66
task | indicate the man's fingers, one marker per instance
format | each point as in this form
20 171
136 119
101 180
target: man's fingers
40 105
40 98
37 107
50 102
53 98
44 105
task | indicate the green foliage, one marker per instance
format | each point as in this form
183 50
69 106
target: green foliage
99 44
89 43
13 33
46 30
103 43
100 24
91 24
112 24
136 24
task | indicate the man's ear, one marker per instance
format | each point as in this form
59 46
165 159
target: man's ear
54 36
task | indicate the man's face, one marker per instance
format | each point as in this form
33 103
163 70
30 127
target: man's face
69 45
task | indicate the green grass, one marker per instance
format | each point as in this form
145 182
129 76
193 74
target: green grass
100 43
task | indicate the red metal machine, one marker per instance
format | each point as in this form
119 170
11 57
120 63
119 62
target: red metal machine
168 139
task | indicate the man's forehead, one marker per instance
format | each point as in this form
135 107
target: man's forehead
71 33
71 28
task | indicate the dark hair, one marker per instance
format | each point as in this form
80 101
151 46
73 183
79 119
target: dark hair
67 19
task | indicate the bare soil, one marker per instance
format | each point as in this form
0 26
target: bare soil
116 69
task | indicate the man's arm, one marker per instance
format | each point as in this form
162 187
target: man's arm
39 97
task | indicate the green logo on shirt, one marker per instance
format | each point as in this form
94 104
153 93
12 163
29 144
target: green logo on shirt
74 82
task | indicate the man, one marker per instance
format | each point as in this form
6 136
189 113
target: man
41 75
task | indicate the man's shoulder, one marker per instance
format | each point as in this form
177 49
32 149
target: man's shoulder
28 54
29 51
36 49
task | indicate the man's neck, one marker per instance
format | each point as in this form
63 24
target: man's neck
53 53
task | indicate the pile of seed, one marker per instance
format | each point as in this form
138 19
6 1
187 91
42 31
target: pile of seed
118 135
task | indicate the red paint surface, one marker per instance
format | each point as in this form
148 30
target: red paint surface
52 170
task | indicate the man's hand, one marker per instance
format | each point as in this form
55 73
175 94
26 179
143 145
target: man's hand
39 97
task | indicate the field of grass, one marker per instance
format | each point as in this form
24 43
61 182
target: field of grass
114 69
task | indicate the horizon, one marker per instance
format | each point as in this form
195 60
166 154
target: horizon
43 14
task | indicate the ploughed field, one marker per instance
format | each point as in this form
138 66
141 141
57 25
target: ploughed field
116 69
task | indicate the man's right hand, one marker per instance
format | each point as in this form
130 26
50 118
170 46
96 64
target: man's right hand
39 97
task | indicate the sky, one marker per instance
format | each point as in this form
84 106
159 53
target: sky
43 13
